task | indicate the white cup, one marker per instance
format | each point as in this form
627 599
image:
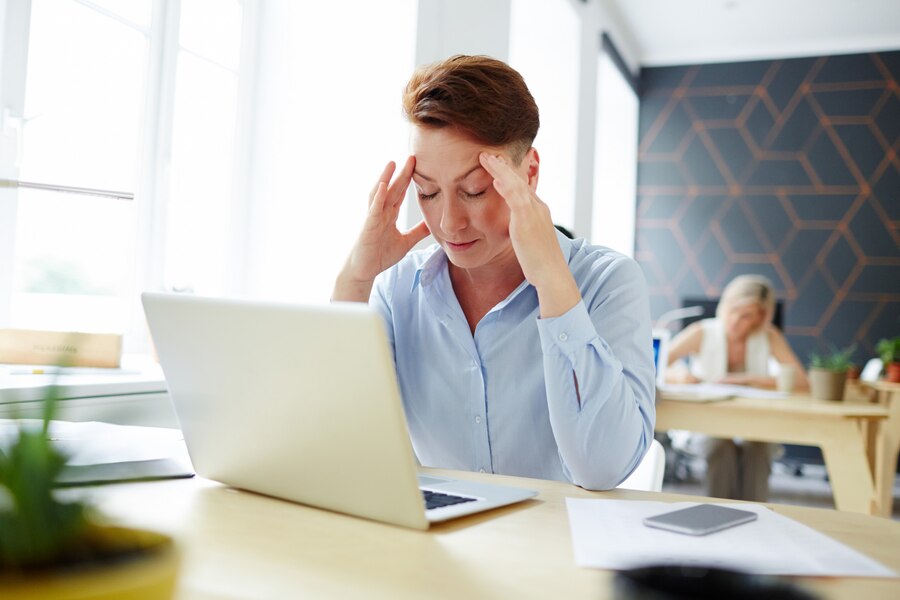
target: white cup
785 380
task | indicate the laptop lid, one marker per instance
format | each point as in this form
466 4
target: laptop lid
302 403
297 402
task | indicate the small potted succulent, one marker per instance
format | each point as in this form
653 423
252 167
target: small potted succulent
828 373
889 352
61 549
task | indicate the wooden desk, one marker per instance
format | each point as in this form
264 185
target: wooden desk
241 545
852 436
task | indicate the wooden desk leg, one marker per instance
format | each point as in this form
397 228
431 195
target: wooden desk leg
849 470
888 446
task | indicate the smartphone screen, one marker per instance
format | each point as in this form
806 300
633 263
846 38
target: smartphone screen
701 519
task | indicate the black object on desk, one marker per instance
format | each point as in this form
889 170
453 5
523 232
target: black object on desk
674 582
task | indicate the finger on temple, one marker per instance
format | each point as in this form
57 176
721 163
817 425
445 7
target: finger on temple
401 183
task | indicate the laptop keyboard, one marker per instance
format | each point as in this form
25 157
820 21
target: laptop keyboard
438 499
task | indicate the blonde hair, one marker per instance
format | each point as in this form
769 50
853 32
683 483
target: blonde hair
746 289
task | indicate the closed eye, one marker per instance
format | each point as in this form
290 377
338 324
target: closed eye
476 195
423 196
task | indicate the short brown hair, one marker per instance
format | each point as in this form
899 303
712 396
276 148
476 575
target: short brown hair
481 96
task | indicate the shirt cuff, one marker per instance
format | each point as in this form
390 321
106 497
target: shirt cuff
567 333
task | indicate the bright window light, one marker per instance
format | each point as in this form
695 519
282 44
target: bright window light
615 171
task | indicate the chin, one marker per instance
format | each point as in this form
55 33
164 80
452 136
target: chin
464 262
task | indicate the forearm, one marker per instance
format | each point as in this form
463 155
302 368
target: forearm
602 412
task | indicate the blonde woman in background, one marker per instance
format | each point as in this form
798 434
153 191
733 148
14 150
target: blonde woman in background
736 347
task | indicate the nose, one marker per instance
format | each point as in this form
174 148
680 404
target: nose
453 217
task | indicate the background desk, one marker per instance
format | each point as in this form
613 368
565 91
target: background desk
242 545
131 398
886 444
852 437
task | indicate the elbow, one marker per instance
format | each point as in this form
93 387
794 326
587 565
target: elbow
610 474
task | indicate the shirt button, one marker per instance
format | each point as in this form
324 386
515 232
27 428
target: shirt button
481 470
478 419
563 337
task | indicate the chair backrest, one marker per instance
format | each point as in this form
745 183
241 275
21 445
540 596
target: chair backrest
648 476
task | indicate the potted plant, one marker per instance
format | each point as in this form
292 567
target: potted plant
53 548
889 352
828 373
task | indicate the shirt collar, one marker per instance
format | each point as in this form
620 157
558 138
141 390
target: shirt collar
430 267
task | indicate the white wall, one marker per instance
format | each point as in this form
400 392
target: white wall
327 121
462 27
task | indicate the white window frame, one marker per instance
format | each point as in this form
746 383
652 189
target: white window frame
151 185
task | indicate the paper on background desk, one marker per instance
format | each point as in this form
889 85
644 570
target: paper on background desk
610 534
707 392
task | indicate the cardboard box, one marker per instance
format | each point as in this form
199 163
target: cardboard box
64 348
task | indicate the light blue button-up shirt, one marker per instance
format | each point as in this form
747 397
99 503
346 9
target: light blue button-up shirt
569 398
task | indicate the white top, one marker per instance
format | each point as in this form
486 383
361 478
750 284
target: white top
711 363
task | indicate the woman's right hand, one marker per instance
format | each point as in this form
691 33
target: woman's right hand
380 244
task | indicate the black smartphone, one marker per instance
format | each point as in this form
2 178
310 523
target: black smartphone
701 519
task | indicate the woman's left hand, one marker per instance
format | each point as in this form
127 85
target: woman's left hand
533 238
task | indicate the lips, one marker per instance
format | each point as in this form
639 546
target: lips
458 247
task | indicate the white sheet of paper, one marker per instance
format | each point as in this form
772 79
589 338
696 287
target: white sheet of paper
610 534
720 390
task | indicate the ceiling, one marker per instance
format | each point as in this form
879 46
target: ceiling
675 32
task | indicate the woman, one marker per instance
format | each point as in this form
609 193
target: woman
736 347
517 350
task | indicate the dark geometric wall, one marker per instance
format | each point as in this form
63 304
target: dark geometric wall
788 168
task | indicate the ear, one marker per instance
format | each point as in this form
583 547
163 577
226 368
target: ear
532 165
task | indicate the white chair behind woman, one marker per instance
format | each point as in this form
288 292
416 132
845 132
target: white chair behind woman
648 476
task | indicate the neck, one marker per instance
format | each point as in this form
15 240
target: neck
505 274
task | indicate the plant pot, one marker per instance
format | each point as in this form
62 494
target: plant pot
147 572
827 385
892 372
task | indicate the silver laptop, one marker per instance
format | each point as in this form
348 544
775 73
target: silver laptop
301 403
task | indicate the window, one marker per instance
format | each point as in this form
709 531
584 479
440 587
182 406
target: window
137 97
201 171
81 127
615 172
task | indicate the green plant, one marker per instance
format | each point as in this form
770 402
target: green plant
36 528
888 350
834 360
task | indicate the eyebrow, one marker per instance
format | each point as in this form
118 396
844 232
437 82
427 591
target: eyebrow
460 178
